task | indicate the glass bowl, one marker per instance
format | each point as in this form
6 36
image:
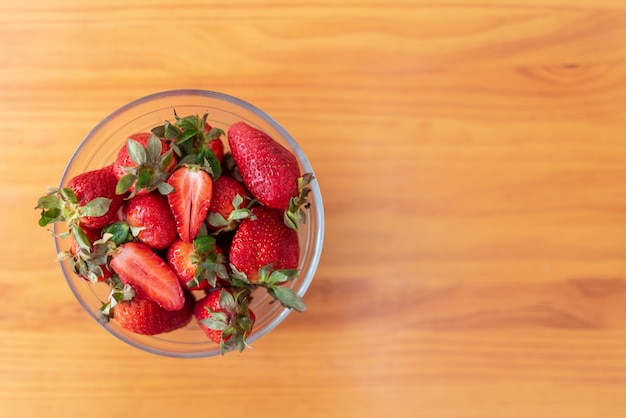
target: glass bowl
100 148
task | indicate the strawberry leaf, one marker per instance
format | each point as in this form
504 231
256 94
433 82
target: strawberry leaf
120 232
209 159
68 195
120 292
218 321
165 188
136 152
81 238
287 297
282 276
96 207
143 178
227 302
216 220
295 215
154 148
125 183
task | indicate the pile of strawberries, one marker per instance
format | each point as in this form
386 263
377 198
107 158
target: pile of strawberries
180 229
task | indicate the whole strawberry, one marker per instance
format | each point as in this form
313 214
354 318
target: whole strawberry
198 265
150 215
143 164
88 201
263 240
225 318
143 316
97 184
228 204
269 170
264 253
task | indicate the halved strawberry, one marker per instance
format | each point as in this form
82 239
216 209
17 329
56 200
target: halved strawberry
190 200
141 268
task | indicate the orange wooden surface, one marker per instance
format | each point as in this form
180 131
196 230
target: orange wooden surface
472 160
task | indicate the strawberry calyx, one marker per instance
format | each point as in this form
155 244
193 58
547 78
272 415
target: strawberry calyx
273 281
62 205
295 213
89 262
189 140
234 319
239 213
210 264
120 292
151 170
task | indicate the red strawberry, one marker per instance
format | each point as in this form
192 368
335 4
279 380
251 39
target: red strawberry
151 212
269 170
143 316
264 240
214 142
97 184
138 266
198 265
190 200
228 204
143 166
225 318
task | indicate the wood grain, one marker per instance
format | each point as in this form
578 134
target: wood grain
472 160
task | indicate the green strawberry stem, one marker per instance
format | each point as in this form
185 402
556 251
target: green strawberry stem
295 213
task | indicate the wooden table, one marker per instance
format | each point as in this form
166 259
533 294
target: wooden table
472 159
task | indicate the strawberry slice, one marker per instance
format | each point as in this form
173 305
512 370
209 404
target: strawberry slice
138 266
191 199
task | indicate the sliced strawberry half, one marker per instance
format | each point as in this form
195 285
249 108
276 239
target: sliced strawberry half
141 268
191 199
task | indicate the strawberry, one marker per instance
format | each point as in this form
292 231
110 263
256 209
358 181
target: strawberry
214 142
198 265
264 253
269 170
88 201
139 266
151 216
228 204
143 164
143 316
264 240
97 184
225 318
190 199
